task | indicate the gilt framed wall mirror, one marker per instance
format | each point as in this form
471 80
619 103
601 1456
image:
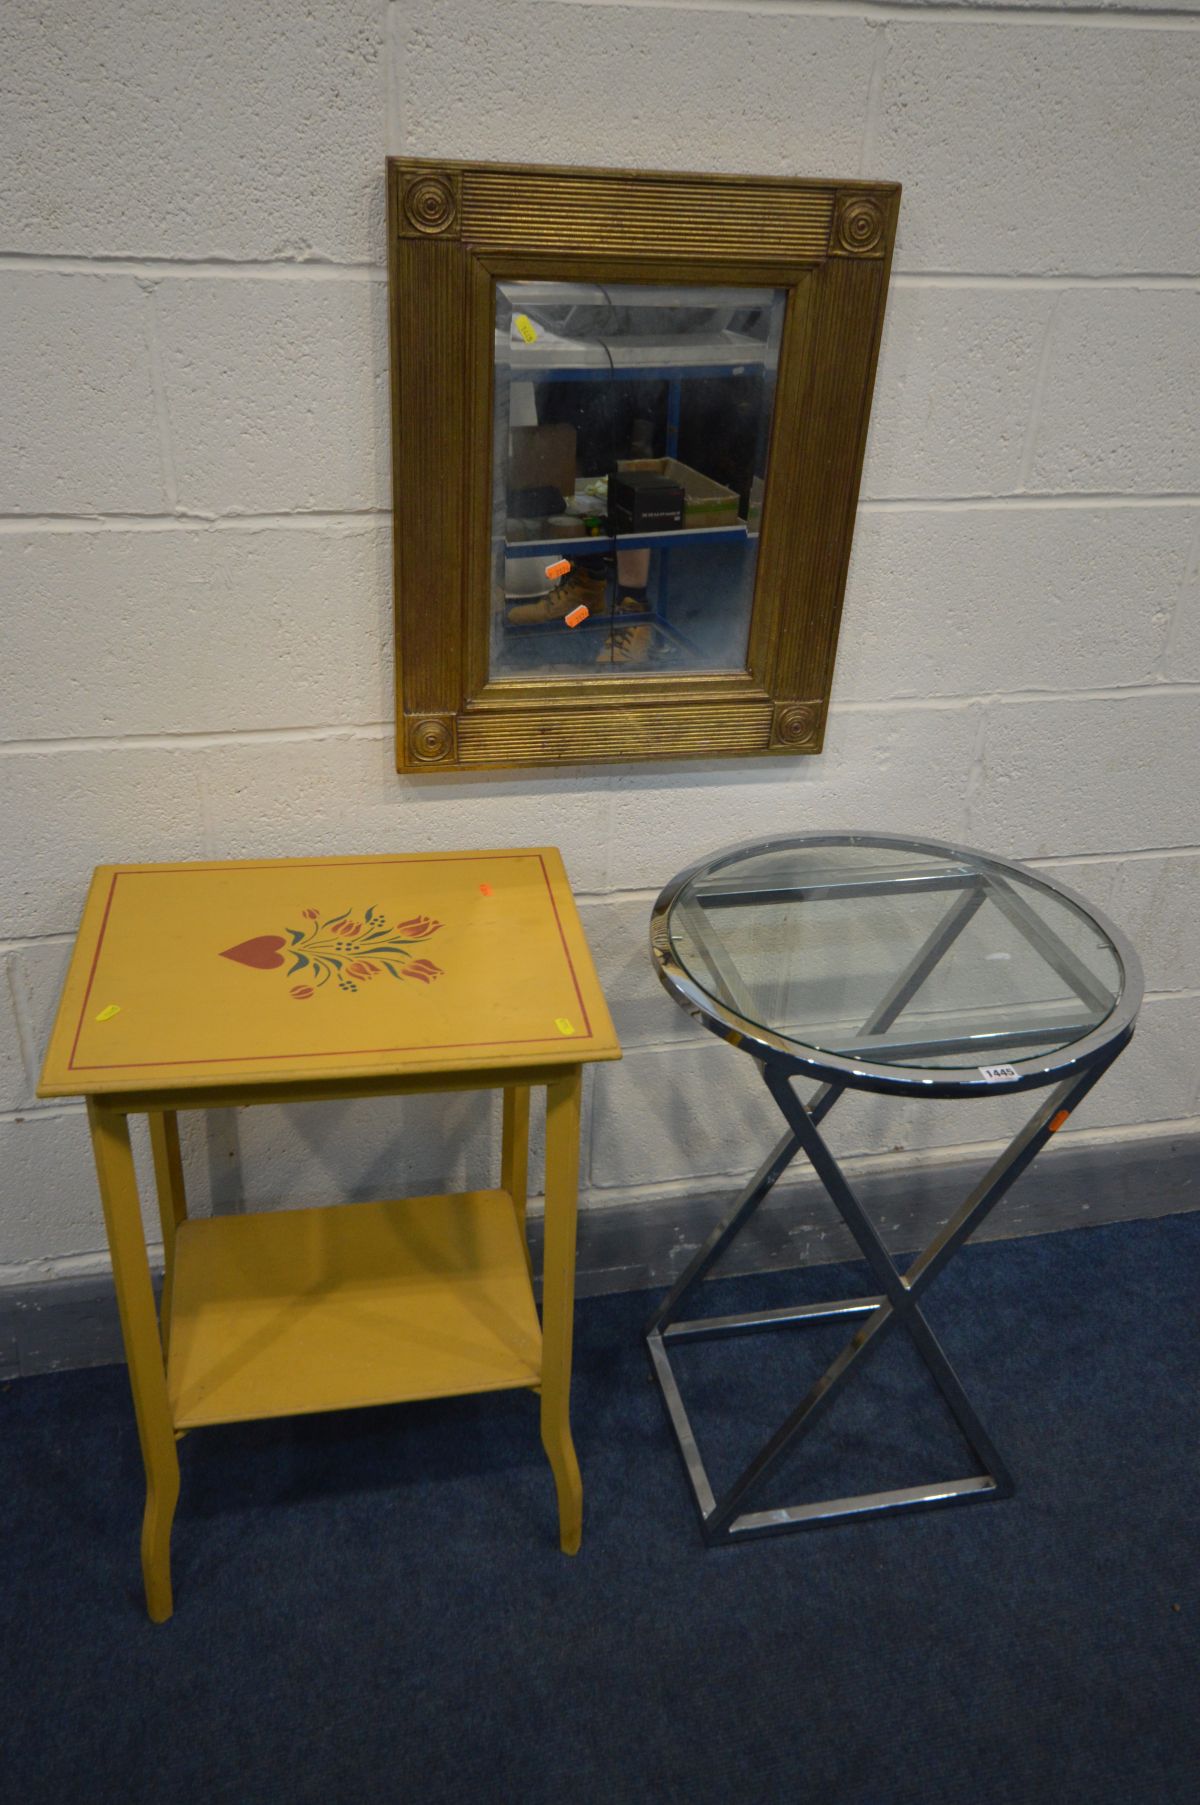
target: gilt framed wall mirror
628 419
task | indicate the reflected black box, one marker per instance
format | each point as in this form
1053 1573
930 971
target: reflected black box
641 501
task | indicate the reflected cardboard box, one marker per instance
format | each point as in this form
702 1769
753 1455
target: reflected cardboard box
705 502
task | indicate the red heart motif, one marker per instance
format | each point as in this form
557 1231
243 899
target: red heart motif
262 953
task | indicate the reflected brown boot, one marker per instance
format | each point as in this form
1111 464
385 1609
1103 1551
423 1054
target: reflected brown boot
630 640
580 589
633 644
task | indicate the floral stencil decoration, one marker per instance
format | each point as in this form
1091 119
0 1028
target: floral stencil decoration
350 949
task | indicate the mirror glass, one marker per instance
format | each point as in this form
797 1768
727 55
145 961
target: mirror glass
631 426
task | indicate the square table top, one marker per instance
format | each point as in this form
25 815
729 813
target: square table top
264 971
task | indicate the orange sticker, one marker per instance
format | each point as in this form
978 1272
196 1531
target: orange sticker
1057 1121
485 889
578 614
560 569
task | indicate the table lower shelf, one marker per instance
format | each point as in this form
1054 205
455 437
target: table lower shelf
286 1312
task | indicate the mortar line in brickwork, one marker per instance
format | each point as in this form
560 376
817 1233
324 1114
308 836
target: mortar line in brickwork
1191 581
378 730
976 775
200 738
643 893
1110 858
879 54
958 12
699 1041
610 804
676 1046
36 263
909 1159
1084 498
158 384
314 520
303 520
22 1275
27 1036
184 269
395 31
21 943
17 1274
646 893
25 1041
1040 384
1179 281
43 1112
1013 697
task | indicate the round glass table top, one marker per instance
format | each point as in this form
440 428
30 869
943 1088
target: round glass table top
870 955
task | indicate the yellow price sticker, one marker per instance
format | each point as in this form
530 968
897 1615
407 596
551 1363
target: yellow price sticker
107 1014
563 1025
525 327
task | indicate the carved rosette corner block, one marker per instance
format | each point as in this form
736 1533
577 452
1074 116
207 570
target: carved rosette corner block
796 725
859 227
430 204
431 739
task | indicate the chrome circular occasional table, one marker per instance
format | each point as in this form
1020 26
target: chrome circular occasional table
870 962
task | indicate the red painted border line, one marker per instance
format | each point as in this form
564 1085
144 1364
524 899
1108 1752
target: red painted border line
112 890
449 1046
567 955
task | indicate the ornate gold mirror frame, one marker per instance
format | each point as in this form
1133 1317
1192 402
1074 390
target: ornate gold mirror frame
455 229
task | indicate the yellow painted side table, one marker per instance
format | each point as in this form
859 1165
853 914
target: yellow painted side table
276 981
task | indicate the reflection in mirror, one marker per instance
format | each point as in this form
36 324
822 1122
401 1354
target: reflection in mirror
630 435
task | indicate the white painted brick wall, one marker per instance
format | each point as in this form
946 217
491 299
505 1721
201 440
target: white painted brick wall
1089 771
1006 600
723 88
1154 899
1182 660
35 974
285 798
1120 410
912 765
957 376
226 131
106 614
195 550
1037 150
80 434
277 394
14 1058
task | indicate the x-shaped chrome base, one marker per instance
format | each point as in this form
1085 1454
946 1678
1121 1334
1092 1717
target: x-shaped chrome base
727 1519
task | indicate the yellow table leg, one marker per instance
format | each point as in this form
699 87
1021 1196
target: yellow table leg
558 1299
514 1151
172 1202
143 1348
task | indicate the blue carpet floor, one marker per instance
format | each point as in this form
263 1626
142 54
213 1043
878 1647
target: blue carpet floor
372 1606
